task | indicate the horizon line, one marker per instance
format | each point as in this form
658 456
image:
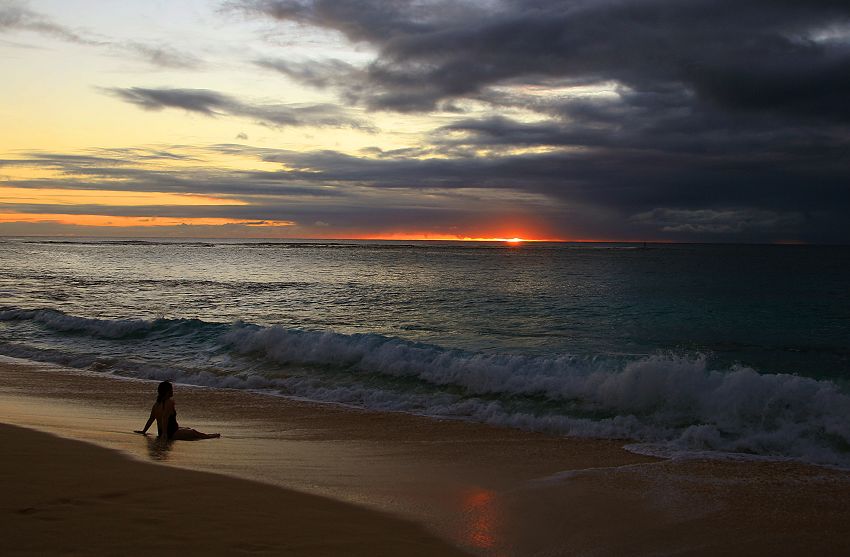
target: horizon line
457 240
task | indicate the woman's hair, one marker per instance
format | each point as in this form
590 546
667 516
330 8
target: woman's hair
164 391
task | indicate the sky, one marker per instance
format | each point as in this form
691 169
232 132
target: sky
612 120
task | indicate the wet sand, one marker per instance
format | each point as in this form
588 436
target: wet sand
485 490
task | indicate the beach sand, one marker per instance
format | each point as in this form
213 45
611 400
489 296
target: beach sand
66 497
346 482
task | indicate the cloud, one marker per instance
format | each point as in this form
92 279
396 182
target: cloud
316 73
16 16
579 194
761 55
212 103
720 222
349 204
652 119
190 229
705 118
162 56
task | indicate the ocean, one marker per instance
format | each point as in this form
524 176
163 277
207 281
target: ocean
712 350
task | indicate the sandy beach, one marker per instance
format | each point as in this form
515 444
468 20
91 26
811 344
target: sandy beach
304 479
66 497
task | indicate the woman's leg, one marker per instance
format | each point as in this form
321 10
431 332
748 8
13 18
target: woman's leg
189 434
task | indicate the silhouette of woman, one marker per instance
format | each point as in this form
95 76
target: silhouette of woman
165 414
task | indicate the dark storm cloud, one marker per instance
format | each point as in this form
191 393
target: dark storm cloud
780 57
691 120
620 193
212 103
719 221
746 55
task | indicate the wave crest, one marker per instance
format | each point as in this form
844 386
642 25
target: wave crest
62 322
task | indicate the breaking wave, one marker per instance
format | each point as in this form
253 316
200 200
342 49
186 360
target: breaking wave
669 403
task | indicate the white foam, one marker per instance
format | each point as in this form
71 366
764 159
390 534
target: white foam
663 398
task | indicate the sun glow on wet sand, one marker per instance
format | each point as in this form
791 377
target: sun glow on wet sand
481 518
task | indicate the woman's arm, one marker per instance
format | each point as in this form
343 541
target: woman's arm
147 425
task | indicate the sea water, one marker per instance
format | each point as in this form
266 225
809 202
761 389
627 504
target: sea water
684 349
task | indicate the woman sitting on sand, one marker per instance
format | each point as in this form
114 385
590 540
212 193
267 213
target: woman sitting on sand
165 414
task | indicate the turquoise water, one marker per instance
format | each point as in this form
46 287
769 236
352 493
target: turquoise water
726 349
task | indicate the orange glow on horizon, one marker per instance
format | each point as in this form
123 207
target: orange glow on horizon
120 198
262 228
453 238
124 221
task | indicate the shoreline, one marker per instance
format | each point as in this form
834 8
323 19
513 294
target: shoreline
483 489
